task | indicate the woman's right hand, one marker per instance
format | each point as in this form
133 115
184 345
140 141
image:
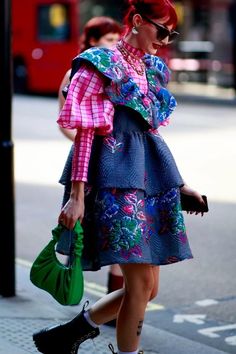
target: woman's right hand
73 210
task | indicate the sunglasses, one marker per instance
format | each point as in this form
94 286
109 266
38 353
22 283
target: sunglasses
163 31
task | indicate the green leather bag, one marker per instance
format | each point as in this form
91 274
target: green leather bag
64 283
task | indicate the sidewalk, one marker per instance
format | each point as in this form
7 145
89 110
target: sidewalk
33 309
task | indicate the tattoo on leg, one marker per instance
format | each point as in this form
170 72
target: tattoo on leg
140 326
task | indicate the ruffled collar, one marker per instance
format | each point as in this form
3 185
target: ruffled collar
135 51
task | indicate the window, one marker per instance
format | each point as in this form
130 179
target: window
53 22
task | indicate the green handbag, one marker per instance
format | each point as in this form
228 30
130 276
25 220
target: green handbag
64 283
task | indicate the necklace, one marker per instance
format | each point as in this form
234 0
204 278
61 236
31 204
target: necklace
136 63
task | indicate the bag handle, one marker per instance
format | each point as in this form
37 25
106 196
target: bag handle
78 230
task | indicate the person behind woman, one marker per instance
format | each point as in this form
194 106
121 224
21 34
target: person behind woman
125 183
101 31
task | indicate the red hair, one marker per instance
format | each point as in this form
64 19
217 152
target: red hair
96 28
157 9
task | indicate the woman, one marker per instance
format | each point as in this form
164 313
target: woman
125 183
100 31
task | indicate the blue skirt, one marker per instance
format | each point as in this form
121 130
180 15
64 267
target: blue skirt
132 204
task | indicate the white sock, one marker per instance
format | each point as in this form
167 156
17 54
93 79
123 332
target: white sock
135 352
88 319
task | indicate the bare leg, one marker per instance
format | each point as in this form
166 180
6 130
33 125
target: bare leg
107 307
156 278
115 282
140 287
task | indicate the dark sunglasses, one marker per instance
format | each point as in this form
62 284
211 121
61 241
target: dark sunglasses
163 31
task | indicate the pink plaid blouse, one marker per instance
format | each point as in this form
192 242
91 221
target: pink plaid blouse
88 109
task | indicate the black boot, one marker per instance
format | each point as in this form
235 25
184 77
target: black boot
65 338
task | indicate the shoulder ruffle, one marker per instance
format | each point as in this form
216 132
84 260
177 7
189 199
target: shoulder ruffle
158 76
123 90
157 68
103 59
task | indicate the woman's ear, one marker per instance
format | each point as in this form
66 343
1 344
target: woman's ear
137 20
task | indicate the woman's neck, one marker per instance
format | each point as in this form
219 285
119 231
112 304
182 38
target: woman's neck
131 44
131 39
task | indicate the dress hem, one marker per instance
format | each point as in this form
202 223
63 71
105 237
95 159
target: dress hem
142 262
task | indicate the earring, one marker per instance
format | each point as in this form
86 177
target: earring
134 30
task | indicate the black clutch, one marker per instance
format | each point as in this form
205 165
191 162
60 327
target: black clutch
190 203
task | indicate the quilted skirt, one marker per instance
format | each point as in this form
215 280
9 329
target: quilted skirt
132 199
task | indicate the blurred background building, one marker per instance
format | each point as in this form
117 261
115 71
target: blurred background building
45 39
204 51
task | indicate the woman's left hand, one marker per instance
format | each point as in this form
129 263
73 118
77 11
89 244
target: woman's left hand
189 191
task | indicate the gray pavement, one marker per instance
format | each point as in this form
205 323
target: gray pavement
33 309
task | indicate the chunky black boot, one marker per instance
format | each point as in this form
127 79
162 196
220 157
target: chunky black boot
110 346
65 338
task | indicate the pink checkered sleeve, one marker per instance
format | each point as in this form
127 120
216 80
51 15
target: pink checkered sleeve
86 109
82 151
86 105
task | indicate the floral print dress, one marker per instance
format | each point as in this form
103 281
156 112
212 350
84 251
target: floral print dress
132 204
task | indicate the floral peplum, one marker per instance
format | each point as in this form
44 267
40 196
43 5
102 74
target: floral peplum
132 156
132 205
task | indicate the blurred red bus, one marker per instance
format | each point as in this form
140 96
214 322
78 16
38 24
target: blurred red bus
45 39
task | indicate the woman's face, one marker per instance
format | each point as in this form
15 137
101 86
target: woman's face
108 40
147 37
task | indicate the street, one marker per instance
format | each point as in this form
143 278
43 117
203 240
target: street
197 298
